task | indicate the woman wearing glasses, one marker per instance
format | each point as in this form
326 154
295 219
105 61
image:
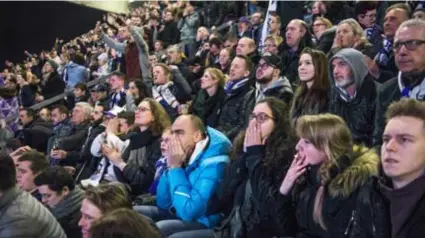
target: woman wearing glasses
320 25
248 197
136 165
312 96
322 185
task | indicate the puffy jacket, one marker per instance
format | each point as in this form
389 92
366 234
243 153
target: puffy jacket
359 111
188 190
188 26
340 195
23 216
75 73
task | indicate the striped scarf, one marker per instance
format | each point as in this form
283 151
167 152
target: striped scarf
164 96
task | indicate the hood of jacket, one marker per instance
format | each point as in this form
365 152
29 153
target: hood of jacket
355 61
69 204
218 145
363 166
282 83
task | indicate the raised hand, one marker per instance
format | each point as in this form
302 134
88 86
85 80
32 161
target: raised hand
297 168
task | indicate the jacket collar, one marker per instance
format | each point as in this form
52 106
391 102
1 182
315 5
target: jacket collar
9 196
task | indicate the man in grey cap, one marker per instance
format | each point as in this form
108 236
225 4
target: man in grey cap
353 93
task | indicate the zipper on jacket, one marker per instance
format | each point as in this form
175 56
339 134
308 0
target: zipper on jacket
350 223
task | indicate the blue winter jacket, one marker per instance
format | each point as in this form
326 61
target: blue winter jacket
188 190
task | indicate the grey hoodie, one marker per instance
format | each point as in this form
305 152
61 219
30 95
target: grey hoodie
70 203
355 60
282 82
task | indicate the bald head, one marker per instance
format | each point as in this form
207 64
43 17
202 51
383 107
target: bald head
245 46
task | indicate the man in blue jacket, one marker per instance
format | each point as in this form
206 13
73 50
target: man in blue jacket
196 158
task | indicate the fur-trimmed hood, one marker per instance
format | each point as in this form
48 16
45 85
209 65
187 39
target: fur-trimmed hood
364 165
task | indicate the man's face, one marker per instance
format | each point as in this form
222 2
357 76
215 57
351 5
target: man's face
47 68
97 113
403 149
244 47
201 34
78 92
256 19
183 130
115 83
23 117
409 60
135 20
57 116
25 176
238 69
124 33
173 56
78 116
294 33
89 214
264 73
345 35
168 16
368 19
49 197
342 72
242 27
123 126
393 20
158 46
274 25
215 50
224 57
152 60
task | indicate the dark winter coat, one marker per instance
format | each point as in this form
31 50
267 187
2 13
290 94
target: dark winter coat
54 85
36 134
206 107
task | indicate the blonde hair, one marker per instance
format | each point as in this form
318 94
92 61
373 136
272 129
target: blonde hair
218 75
330 134
277 40
357 29
325 21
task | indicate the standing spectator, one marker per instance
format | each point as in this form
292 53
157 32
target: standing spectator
62 197
29 165
35 132
409 50
210 98
51 83
312 96
44 114
236 89
187 26
26 94
22 215
9 106
168 33
257 19
353 94
73 73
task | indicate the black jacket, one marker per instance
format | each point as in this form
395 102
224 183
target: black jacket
359 114
340 195
170 35
26 96
36 134
264 214
53 86
75 141
229 115
206 107
141 155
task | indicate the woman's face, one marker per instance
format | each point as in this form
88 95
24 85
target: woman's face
19 79
318 28
263 115
159 77
143 116
133 89
271 47
306 68
345 35
166 137
309 152
207 81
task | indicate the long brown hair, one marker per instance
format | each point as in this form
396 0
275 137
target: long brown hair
330 134
161 118
309 97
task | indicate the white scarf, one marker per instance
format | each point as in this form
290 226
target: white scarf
163 93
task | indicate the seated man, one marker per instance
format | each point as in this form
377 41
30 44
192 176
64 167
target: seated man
59 194
196 158
29 165
98 202
21 214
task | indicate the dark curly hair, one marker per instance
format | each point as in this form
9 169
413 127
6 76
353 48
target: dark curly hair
280 145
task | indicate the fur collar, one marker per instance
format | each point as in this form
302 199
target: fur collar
363 166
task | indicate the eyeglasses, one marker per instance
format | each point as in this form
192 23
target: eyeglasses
409 44
142 109
260 117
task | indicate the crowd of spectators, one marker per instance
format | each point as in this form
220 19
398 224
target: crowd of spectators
221 119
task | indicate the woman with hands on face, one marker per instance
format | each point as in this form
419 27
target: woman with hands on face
325 177
261 154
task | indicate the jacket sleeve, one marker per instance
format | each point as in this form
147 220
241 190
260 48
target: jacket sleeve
163 193
379 121
113 44
140 178
192 20
190 200
268 200
130 104
181 82
137 33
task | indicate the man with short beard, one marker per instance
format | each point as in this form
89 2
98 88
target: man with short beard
353 94
269 83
